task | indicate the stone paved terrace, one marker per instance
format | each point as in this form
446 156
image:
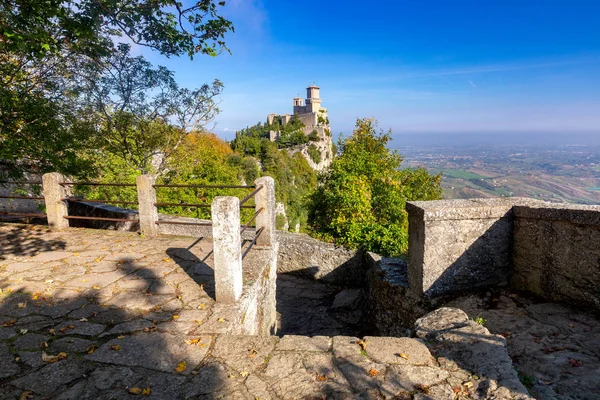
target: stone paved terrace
111 315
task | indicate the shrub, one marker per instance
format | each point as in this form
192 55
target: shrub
314 153
360 200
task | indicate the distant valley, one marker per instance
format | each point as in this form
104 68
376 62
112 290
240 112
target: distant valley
549 171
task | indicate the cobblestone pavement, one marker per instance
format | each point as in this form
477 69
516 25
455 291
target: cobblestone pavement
555 348
90 314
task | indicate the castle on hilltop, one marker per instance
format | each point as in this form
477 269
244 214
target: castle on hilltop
311 114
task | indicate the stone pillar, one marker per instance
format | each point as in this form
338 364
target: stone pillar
148 213
265 199
56 208
456 246
227 248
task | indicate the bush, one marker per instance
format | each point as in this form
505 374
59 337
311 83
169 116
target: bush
314 153
280 221
360 200
314 136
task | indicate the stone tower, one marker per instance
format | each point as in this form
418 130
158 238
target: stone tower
313 101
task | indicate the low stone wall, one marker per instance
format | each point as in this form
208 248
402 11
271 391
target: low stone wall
392 307
86 209
459 245
557 252
305 256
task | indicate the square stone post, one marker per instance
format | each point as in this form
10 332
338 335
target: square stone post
265 199
227 248
148 214
56 208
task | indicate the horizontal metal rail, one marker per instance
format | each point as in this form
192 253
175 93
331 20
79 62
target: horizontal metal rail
96 184
18 214
252 194
101 218
251 220
23 182
204 186
181 205
22 197
183 223
76 200
253 242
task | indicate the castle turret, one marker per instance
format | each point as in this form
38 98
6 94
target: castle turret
298 107
313 101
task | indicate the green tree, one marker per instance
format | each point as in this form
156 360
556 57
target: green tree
140 114
360 200
45 44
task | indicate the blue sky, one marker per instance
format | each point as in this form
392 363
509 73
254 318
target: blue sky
417 66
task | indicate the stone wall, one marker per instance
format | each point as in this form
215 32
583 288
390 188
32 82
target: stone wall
302 255
459 245
557 252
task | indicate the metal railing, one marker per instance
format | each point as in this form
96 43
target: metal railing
247 225
193 205
101 201
17 214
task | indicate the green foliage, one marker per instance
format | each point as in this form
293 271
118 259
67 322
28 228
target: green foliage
314 153
250 140
280 221
360 200
314 136
40 27
140 114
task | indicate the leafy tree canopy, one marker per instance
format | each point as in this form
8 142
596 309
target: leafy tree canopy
38 27
360 200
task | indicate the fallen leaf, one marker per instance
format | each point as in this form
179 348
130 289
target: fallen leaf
51 331
23 331
52 359
252 353
120 337
422 388
192 341
175 316
321 378
36 295
22 305
468 384
83 320
71 326
147 391
373 372
76 254
182 366
201 306
221 320
44 345
8 323
90 349
115 347
244 373
26 395
402 355
575 363
135 390
362 344
96 287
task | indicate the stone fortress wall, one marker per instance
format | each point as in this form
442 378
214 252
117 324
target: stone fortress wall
315 119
